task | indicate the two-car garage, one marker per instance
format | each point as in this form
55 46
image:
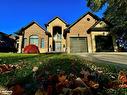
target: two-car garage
78 44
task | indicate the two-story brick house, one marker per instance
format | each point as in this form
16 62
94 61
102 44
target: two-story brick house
88 34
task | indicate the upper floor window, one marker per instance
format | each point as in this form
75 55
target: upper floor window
58 36
57 32
34 40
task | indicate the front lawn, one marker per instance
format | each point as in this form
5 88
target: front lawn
14 58
53 64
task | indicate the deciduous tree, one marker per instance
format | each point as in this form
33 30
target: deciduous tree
115 14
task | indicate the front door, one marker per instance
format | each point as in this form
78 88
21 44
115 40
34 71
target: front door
58 46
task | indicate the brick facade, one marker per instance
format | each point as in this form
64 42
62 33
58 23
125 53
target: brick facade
79 29
57 22
36 30
82 28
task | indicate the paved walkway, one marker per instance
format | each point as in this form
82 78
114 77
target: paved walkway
113 57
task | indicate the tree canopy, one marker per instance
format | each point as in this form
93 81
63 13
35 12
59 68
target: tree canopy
115 14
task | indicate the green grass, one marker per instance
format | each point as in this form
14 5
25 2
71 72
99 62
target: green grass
13 58
30 61
52 63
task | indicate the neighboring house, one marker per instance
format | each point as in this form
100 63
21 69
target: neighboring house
7 43
88 34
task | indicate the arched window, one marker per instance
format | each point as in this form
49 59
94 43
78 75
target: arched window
34 40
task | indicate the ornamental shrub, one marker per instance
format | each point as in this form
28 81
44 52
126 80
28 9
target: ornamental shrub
31 49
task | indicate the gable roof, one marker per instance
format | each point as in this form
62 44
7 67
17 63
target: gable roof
3 36
94 28
55 19
91 14
1 33
27 26
100 22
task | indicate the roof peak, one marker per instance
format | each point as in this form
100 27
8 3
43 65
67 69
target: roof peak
90 13
55 19
28 25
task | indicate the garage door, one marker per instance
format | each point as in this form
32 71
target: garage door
78 44
104 44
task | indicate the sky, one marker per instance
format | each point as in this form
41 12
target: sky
15 14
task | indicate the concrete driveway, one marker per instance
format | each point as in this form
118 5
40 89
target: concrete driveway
113 57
